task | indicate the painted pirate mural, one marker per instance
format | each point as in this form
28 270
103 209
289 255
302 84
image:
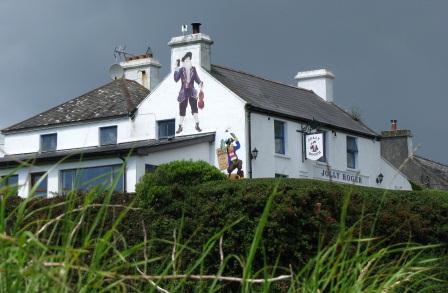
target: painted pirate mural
188 94
233 162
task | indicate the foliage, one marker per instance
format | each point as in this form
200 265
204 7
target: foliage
88 242
168 178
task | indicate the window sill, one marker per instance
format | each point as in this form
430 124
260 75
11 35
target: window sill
353 170
282 156
325 164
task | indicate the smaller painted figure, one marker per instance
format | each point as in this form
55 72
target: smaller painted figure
232 158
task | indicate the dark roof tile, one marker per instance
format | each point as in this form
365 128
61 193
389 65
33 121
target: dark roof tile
288 100
104 102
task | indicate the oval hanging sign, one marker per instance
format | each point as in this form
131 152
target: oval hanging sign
315 146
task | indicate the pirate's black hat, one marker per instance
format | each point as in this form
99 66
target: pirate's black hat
188 55
229 141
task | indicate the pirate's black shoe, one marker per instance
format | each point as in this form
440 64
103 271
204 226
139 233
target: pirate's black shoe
179 130
197 127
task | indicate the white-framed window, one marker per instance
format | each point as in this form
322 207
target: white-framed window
10 181
108 135
280 137
166 128
39 182
87 178
48 142
352 152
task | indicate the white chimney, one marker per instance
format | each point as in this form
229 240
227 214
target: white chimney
197 43
144 69
319 81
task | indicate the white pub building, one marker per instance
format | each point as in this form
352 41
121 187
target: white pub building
239 122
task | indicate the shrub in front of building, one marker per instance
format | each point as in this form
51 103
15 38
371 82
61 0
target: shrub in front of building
170 179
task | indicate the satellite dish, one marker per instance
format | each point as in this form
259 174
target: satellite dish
116 71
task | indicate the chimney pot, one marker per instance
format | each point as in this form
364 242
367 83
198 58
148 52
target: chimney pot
196 27
393 125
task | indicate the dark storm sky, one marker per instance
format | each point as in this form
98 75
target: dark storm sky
389 57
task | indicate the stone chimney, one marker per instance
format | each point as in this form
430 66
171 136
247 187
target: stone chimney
144 69
396 144
197 43
319 81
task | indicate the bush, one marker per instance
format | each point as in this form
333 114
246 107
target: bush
303 212
168 178
304 215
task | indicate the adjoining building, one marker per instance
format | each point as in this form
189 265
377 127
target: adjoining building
397 148
234 120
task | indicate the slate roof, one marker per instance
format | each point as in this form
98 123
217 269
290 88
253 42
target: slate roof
287 100
142 147
426 172
106 101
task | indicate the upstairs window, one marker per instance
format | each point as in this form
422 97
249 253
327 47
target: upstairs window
279 135
166 128
352 152
48 142
108 135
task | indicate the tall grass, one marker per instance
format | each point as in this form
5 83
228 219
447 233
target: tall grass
70 248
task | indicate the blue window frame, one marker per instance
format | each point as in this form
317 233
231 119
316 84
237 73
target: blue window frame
279 135
166 128
352 152
84 179
108 135
48 142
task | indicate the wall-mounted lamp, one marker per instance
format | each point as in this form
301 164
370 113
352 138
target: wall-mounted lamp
380 178
254 154
334 133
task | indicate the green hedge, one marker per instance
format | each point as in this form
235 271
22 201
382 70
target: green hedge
296 221
169 178
303 210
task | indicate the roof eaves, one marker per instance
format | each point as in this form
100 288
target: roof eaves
52 125
301 119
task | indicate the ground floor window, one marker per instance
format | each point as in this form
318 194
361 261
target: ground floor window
150 168
352 152
278 175
83 179
39 183
11 182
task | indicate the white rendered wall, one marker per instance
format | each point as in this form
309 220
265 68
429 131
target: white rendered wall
223 113
2 146
201 151
369 161
53 172
79 135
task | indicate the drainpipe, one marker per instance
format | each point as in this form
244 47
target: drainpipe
249 141
125 189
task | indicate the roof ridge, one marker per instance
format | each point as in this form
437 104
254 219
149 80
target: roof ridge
430 160
263 78
358 121
8 128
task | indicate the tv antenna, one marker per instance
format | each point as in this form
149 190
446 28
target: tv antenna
120 53
184 29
